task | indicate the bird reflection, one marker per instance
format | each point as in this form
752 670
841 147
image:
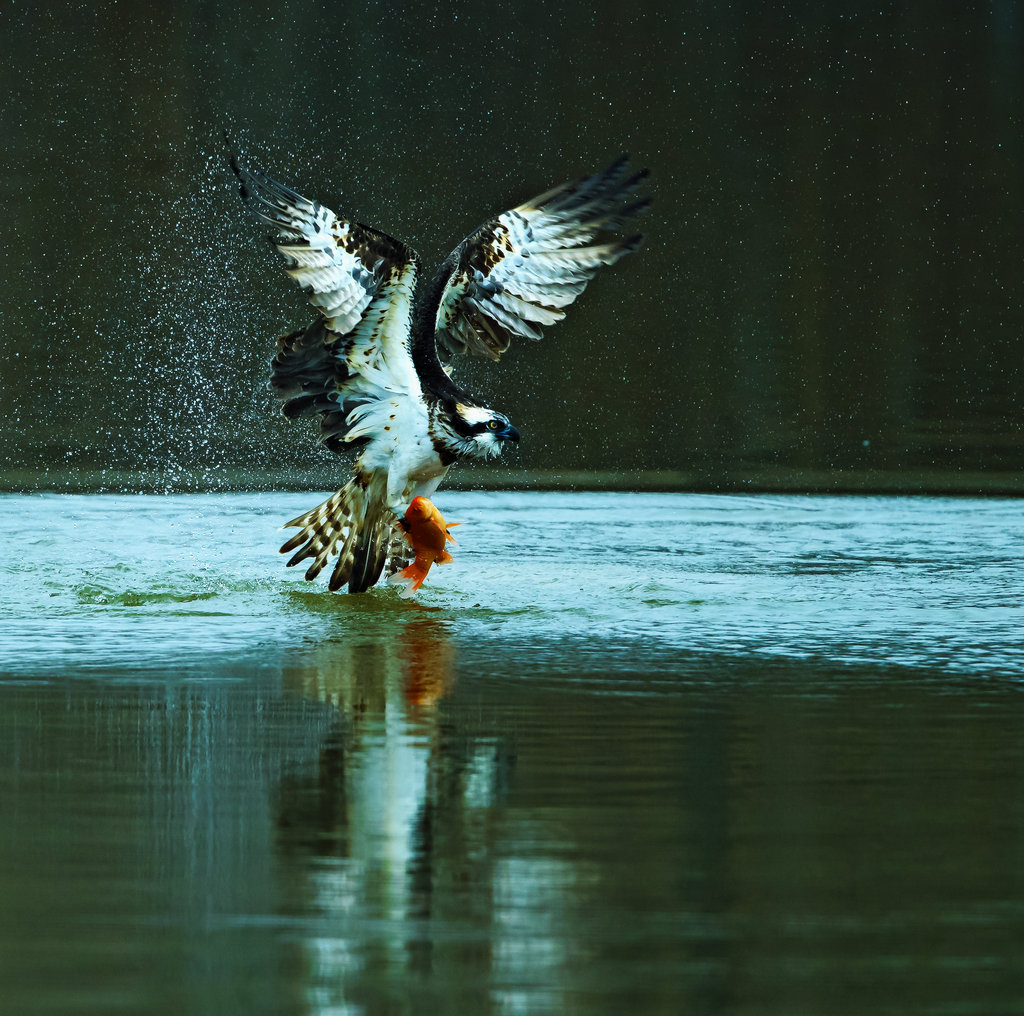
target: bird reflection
390 825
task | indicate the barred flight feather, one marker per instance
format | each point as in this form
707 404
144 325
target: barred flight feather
517 271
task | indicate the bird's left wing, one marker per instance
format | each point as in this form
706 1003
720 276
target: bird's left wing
518 271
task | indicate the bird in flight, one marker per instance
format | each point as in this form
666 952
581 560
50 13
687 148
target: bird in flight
369 367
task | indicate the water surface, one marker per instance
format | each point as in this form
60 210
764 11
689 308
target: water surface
646 753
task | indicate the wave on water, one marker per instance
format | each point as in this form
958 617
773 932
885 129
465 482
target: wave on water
537 577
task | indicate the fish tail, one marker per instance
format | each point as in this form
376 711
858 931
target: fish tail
411 577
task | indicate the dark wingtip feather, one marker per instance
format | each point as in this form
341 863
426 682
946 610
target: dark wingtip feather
632 243
637 207
233 156
242 175
634 181
299 406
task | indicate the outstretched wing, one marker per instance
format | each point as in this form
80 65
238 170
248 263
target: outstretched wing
518 272
340 264
361 281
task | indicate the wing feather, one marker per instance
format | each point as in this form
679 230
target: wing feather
357 354
521 269
340 264
527 310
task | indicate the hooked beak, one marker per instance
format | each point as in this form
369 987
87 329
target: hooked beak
509 434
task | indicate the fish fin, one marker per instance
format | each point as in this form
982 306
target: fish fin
398 579
445 557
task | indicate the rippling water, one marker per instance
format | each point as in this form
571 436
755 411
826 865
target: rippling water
646 753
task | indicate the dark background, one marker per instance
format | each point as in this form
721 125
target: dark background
830 295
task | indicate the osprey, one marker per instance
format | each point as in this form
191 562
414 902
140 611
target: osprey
369 367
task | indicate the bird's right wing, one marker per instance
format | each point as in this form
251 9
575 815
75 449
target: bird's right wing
340 264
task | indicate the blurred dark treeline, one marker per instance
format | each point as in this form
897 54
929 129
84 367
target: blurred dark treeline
832 282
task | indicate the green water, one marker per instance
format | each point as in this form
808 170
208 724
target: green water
629 753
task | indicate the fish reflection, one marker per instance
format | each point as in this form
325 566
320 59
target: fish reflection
391 826
365 675
428 664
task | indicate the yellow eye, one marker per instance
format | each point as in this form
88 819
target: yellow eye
493 425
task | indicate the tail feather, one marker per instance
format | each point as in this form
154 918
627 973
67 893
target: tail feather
352 523
343 566
321 528
370 549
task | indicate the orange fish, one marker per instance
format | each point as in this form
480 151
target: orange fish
426 530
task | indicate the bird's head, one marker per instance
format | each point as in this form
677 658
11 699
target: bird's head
484 432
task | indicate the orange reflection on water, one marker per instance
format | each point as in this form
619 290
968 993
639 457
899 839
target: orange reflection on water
428 660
